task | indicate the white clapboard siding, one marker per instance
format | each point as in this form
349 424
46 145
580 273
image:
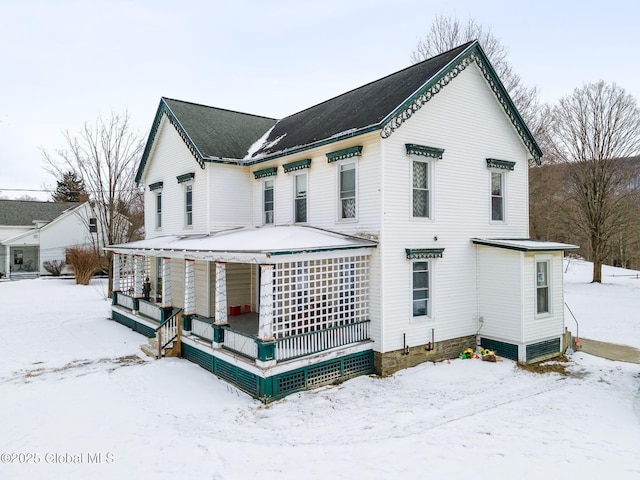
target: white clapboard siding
467 122
177 282
240 284
170 159
500 287
547 326
229 196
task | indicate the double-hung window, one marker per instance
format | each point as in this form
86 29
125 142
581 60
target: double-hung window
188 204
497 196
347 188
300 198
159 209
543 305
420 287
268 203
421 190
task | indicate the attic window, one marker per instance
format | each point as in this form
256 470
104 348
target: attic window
265 172
186 177
344 153
502 164
93 225
299 165
155 186
424 151
420 253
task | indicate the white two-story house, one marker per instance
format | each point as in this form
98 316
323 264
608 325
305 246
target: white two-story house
382 228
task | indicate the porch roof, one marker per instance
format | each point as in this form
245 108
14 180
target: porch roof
246 245
524 244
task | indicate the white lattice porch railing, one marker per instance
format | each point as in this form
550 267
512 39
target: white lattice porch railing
124 301
150 310
201 328
314 342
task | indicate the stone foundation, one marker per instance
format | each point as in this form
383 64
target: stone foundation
390 362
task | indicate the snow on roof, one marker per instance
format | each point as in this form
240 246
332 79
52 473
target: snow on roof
526 244
255 241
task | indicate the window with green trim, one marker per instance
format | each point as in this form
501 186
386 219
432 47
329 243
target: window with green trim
497 196
268 201
347 190
188 204
421 189
420 288
300 197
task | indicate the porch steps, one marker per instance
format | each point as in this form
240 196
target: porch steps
151 349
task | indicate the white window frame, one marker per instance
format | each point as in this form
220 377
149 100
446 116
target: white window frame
296 198
340 167
546 259
430 170
429 310
158 211
503 196
273 201
188 187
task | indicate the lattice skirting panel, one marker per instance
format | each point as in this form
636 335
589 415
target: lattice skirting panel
503 349
543 350
133 325
279 386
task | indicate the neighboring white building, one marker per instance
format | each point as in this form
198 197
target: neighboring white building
33 232
382 228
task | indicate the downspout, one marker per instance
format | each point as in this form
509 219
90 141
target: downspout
522 351
382 245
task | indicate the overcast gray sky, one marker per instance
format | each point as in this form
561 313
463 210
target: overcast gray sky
65 62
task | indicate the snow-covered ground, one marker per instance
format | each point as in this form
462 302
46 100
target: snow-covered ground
77 397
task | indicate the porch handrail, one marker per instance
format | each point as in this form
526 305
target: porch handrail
170 329
241 343
308 343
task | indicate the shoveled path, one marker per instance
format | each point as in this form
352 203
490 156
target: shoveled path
610 351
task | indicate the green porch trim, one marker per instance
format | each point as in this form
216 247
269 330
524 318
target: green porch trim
218 332
133 325
186 322
299 165
506 350
319 250
418 253
265 172
344 153
423 150
155 186
266 349
543 349
186 177
502 164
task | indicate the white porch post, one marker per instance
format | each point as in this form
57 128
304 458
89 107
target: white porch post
265 322
189 288
138 268
116 272
221 294
7 263
167 300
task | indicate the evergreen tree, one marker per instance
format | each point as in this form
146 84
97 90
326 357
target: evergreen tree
70 188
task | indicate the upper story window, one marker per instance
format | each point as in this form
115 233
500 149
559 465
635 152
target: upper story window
422 177
187 184
347 180
268 203
93 225
300 197
347 189
157 188
498 173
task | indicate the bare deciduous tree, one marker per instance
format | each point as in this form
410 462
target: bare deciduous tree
104 156
593 130
446 33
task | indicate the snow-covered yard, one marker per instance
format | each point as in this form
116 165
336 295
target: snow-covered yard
77 396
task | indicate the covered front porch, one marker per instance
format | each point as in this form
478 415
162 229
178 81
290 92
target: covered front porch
300 300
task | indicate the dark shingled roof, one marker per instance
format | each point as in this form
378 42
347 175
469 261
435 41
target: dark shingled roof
219 133
214 134
25 212
360 108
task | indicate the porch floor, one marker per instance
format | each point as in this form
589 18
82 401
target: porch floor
246 323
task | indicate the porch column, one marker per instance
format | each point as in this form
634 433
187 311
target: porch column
138 271
221 294
266 341
189 288
167 300
116 279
